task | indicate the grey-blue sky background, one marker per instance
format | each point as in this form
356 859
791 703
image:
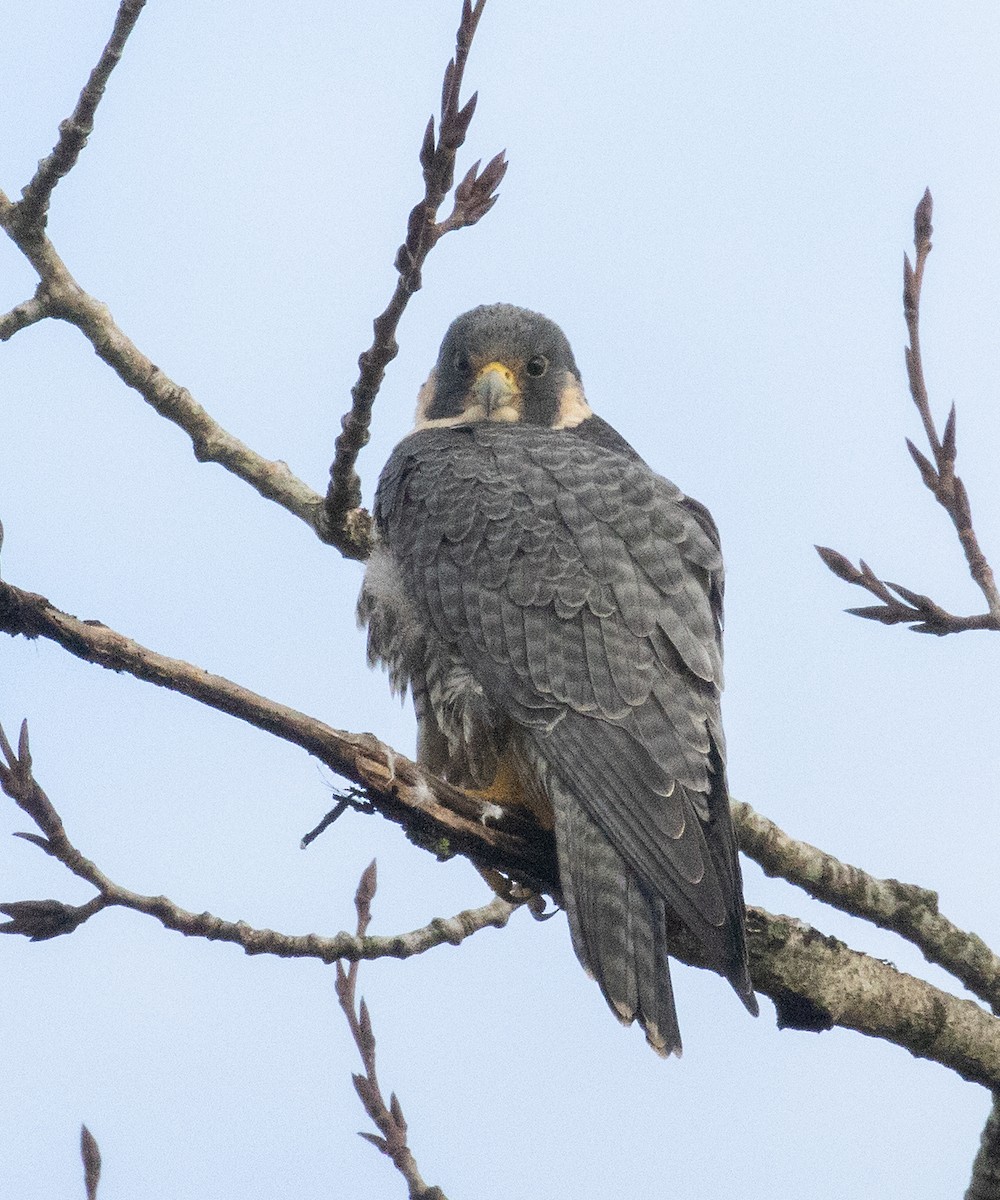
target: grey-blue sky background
713 201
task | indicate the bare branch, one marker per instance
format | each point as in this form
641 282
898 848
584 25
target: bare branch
913 278
921 613
30 312
387 1118
43 919
985 1183
31 210
474 197
815 981
61 296
91 1155
903 908
434 814
338 520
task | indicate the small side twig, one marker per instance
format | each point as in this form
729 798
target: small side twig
387 1118
474 197
31 211
30 312
91 1155
900 605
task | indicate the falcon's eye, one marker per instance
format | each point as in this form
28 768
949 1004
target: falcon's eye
462 363
537 366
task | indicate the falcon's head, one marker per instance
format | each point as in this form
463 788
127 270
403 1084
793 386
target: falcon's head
505 364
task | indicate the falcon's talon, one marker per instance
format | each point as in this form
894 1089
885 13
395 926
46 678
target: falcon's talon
535 904
516 893
555 607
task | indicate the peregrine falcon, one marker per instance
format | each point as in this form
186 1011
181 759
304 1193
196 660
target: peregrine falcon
555 608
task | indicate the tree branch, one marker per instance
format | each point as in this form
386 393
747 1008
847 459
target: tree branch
449 821
387 1118
60 296
905 606
29 214
985 1182
902 908
30 312
41 920
338 519
474 197
436 815
815 981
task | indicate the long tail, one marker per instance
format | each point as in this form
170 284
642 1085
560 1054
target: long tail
618 926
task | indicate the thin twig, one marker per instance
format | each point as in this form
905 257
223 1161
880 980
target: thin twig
474 197
41 920
902 908
30 312
387 1118
30 212
901 605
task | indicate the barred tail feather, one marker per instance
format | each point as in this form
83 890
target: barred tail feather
618 928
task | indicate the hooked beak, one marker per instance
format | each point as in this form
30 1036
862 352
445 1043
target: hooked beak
496 392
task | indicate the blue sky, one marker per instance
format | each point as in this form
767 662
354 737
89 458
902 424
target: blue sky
713 201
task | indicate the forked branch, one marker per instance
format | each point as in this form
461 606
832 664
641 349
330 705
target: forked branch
474 197
901 605
338 518
815 981
388 1118
910 911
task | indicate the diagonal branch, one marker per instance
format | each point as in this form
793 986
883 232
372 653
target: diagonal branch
433 813
449 821
31 211
41 920
387 1118
474 197
900 605
815 981
338 520
60 296
902 908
